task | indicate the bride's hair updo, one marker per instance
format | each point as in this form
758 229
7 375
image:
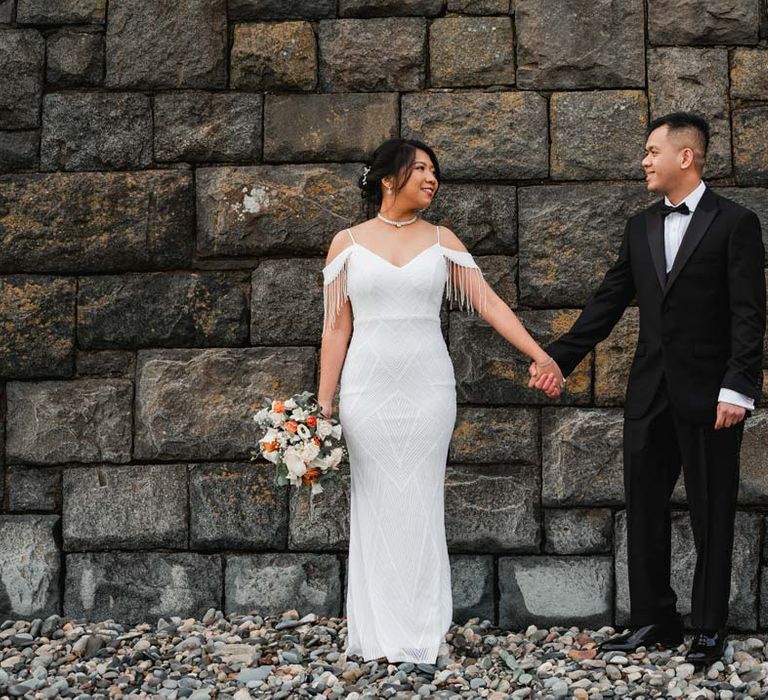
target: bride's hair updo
395 157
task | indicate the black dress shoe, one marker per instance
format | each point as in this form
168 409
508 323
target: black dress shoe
665 635
707 648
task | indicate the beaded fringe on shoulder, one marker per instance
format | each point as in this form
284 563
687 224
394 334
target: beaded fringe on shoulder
464 282
335 293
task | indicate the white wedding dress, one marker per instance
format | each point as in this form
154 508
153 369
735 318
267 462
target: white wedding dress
397 408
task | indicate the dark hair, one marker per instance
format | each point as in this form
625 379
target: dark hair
395 157
677 121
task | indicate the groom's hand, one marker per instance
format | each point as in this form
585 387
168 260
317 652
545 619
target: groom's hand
728 415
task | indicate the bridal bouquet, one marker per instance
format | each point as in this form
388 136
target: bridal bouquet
304 447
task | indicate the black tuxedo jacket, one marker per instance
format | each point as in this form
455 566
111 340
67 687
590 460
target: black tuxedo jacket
701 327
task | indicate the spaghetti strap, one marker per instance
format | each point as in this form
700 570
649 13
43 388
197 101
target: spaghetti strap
438 234
349 231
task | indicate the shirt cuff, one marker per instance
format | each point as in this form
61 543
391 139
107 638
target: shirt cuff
734 397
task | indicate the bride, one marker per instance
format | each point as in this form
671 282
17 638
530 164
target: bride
383 287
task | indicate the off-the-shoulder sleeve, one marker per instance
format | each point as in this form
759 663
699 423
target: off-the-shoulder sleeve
335 287
465 283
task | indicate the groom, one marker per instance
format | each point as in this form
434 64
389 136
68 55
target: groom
694 261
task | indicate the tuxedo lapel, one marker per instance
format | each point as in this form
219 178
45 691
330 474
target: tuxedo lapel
654 226
700 221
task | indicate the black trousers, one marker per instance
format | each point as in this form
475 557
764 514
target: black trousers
656 446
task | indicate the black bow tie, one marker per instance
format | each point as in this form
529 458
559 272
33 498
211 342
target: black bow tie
679 209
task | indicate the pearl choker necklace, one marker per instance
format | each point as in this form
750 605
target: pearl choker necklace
399 224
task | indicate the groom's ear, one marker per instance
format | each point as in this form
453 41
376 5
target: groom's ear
687 158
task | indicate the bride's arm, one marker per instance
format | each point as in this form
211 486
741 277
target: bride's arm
494 310
337 329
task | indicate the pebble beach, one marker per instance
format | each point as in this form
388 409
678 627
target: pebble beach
288 656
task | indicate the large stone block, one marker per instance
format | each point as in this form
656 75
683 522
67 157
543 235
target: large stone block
155 45
351 58
93 131
37 326
578 531
268 584
61 12
749 77
19 150
546 591
236 506
483 216
287 209
481 135
495 435
269 282
30 566
753 473
97 222
105 363
327 127
694 80
472 584
598 135
280 56
750 145
174 309
157 516
131 587
281 9
613 360
6 11
582 462
199 404
552 55
754 198
75 58
701 22
208 126
746 558
382 8
493 509
321 523
471 51
34 489
490 371
479 7
569 236
22 54
500 271
81 420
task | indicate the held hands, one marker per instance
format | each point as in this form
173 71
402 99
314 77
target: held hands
728 415
326 408
547 377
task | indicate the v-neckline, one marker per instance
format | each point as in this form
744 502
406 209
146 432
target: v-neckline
391 264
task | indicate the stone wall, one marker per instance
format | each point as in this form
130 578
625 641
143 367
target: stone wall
172 174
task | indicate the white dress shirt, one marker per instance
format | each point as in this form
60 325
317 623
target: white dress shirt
675 226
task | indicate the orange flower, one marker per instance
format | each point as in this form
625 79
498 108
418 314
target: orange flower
277 406
291 426
311 421
310 476
271 446
316 441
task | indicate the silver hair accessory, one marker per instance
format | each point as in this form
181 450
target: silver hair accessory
366 170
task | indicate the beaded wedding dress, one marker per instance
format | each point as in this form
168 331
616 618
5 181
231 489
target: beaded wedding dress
397 408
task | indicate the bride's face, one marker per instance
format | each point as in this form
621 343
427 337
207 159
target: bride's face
421 186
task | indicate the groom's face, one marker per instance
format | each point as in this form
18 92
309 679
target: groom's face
662 162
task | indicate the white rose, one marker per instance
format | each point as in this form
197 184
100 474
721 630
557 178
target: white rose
310 451
273 457
303 432
294 462
290 404
324 428
277 418
262 416
299 415
336 431
335 457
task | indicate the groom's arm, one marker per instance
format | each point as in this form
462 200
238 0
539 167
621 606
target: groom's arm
746 287
600 315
